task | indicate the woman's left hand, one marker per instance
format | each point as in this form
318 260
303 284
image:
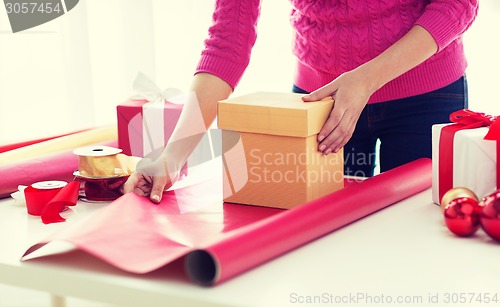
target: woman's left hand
350 92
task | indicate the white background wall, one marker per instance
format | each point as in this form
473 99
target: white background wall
71 73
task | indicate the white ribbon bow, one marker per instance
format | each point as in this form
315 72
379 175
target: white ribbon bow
148 90
153 111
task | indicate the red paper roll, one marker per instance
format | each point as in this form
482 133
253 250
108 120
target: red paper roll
271 237
221 241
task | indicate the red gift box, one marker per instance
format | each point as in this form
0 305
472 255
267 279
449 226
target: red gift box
146 123
132 129
139 134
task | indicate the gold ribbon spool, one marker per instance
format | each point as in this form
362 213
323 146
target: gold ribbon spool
104 162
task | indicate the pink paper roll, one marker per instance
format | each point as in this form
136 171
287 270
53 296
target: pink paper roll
56 166
224 240
59 166
280 233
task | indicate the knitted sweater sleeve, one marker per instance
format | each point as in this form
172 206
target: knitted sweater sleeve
230 39
446 20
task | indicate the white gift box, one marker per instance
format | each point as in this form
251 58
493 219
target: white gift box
474 161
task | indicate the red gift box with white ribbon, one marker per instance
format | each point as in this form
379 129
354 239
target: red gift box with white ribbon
465 154
147 121
144 126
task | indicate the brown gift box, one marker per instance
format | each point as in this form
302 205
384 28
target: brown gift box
270 151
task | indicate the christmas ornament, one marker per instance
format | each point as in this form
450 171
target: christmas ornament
490 215
456 193
461 216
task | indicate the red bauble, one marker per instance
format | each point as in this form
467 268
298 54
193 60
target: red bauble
490 215
461 216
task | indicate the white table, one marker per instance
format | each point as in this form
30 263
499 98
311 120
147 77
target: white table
402 252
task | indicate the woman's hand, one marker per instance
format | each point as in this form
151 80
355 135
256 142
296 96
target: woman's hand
352 89
350 92
151 178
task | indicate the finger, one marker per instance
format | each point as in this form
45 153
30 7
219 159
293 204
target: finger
329 126
338 137
334 148
333 134
159 183
131 182
322 92
347 138
143 187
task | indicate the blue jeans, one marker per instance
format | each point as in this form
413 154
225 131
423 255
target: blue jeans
403 127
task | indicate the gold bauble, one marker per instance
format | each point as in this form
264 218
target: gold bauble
456 193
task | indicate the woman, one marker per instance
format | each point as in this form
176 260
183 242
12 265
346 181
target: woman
394 68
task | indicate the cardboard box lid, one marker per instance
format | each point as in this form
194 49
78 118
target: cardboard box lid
273 113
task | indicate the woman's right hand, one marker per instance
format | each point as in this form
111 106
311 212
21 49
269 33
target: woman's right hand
151 178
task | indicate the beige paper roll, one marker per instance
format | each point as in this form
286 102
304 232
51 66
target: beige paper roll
69 142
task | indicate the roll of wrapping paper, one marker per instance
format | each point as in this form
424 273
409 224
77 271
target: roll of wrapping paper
56 166
72 141
4 148
220 242
276 235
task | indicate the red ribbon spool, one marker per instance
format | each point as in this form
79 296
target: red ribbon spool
103 189
48 198
39 194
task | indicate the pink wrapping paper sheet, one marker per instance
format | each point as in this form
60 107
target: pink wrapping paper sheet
220 240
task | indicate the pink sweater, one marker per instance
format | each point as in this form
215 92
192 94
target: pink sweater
332 37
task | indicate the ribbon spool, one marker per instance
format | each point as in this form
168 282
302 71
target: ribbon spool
103 170
49 198
106 189
39 194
